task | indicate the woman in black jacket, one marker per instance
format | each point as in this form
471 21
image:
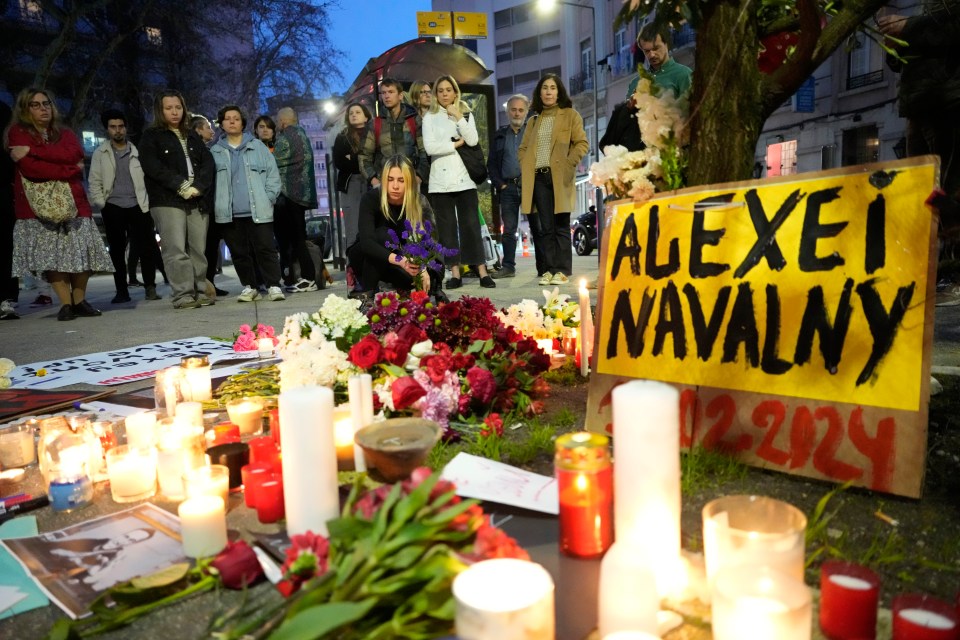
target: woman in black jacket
178 170
350 182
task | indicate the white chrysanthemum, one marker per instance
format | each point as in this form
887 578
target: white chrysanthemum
6 366
339 315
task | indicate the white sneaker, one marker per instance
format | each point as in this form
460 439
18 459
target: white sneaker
249 294
546 279
275 294
559 278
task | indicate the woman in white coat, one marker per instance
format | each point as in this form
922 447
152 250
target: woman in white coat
453 195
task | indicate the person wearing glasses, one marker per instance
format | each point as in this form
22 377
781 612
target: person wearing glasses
68 252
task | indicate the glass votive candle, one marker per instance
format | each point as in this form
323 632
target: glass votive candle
585 486
190 413
141 429
222 433
568 343
17 446
234 456
917 616
270 505
247 413
253 475
264 451
132 472
203 526
849 596
212 480
753 531
760 604
265 347
195 382
70 481
506 599
166 391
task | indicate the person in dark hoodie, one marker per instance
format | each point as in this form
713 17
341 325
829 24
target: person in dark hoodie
247 186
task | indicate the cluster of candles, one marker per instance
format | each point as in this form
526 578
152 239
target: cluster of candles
753 551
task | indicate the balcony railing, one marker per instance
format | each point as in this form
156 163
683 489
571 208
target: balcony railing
581 82
864 80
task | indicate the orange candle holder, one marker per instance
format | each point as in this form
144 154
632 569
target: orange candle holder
585 484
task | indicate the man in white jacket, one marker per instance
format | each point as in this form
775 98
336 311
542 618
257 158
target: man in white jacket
117 188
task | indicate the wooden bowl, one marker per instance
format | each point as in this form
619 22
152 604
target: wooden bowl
398 446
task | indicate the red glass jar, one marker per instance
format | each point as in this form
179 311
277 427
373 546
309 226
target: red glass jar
585 484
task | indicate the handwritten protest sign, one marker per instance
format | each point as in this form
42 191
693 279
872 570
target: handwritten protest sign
796 315
120 365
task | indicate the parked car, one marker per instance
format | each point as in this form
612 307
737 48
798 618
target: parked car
583 233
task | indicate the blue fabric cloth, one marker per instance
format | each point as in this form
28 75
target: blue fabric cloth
239 188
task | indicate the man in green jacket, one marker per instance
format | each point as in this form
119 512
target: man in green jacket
298 192
667 72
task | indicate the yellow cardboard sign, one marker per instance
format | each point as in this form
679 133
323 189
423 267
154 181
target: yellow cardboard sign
811 288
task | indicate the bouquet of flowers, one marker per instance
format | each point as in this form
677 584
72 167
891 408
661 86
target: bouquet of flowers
387 569
246 339
313 347
542 321
416 244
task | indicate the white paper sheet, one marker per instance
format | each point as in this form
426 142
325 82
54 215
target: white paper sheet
484 479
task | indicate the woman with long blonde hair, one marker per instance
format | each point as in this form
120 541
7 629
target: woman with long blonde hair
67 252
453 193
388 208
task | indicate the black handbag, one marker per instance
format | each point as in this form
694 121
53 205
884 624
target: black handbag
472 158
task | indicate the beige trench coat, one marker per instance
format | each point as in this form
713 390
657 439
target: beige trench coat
568 147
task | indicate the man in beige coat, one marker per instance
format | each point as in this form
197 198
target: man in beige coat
553 144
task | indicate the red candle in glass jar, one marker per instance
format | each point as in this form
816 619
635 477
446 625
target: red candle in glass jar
274 424
849 596
585 485
270 499
253 476
263 450
223 433
917 616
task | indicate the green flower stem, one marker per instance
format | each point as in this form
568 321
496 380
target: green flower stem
129 615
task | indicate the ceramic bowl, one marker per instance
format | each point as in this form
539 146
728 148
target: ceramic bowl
398 446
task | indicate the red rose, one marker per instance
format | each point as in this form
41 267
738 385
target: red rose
397 354
238 566
483 386
405 392
366 353
412 333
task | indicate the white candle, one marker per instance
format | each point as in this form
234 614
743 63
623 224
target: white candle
504 599
16 446
209 480
646 476
586 329
203 526
928 619
311 495
546 345
170 465
195 381
169 382
850 582
246 413
360 388
628 599
760 604
190 413
141 428
265 347
132 473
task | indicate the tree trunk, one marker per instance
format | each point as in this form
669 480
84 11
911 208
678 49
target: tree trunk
726 105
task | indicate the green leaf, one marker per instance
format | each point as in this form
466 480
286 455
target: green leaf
394 370
320 620
63 629
414 501
382 519
450 513
348 529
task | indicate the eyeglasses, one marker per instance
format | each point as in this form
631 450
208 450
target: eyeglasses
46 104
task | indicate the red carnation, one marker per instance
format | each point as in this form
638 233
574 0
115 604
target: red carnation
483 386
366 353
405 392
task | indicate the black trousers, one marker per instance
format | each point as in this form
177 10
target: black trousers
554 228
251 245
290 227
131 224
371 271
215 234
458 225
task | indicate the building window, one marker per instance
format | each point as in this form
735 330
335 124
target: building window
505 85
526 47
154 35
864 63
550 41
620 43
521 13
586 58
554 70
501 19
860 145
530 77
31 10
505 52
782 158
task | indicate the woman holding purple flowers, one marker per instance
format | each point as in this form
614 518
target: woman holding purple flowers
388 213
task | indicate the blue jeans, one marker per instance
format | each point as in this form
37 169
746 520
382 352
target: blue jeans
510 215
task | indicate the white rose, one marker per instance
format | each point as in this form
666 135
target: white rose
421 349
6 366
4 382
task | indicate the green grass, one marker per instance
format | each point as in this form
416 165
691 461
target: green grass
702 469
567 375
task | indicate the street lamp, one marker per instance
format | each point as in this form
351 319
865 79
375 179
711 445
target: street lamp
546 6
